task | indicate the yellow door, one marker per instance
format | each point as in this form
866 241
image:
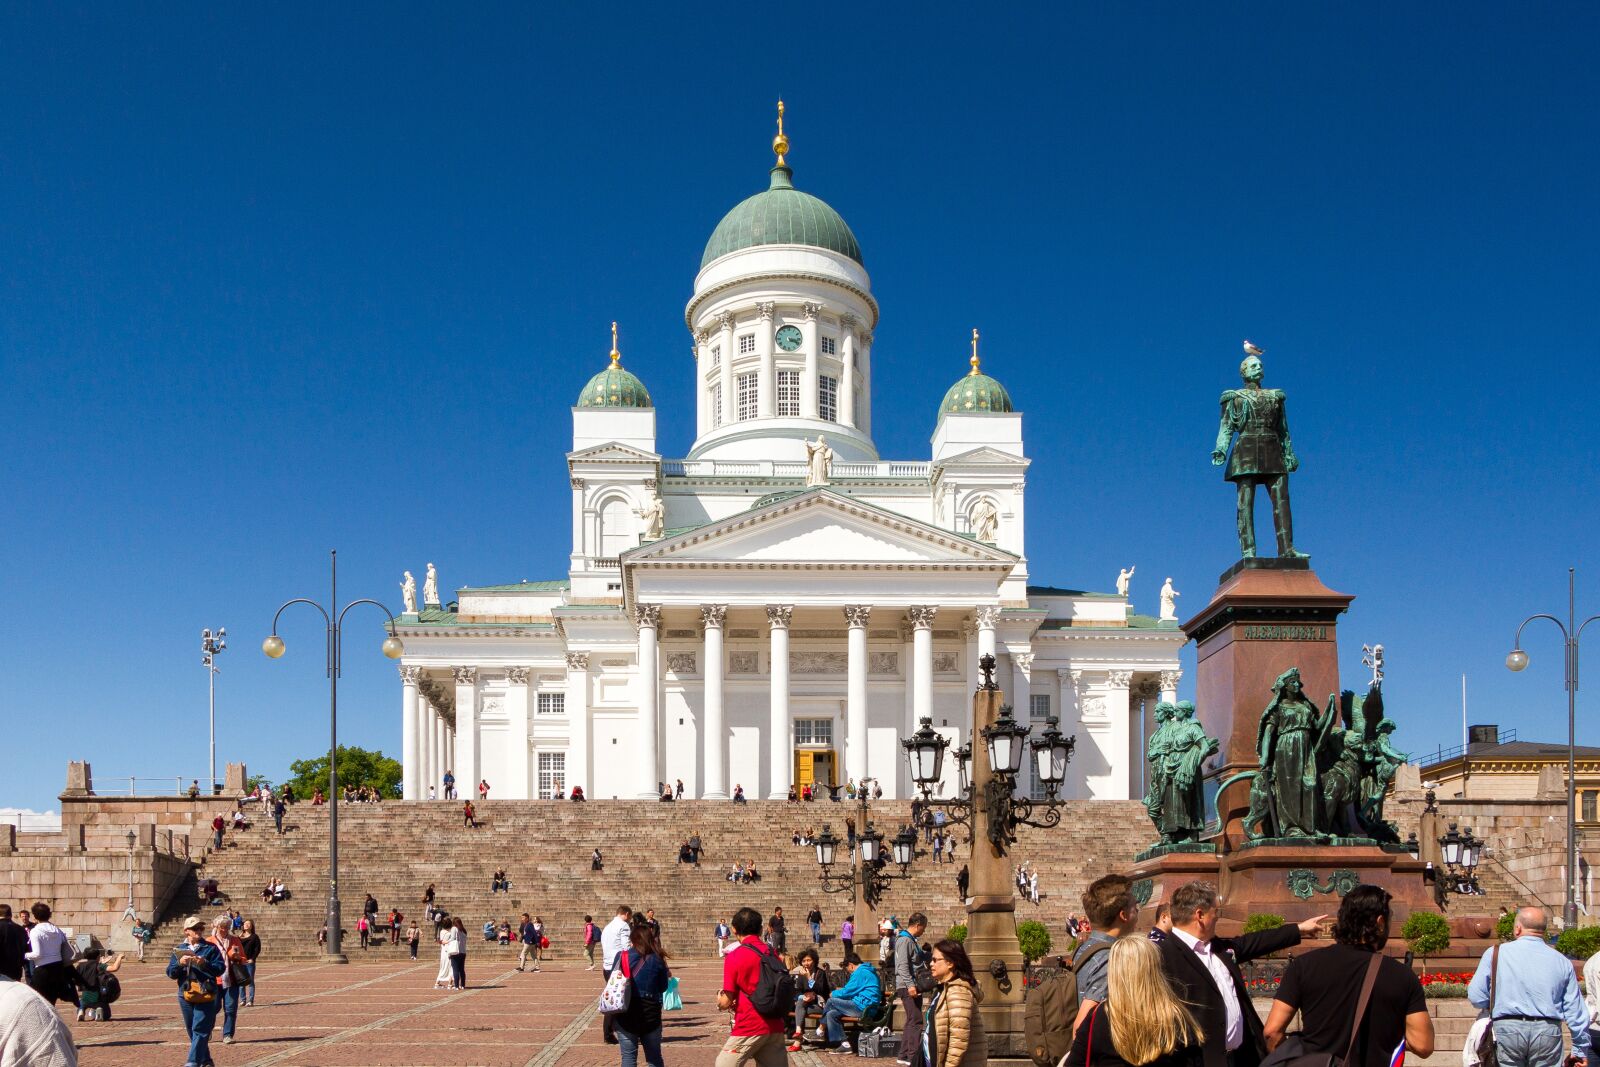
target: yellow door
804 769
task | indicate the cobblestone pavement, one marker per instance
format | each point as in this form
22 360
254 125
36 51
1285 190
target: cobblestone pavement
388 1013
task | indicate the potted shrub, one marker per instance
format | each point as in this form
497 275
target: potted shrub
1427 933
1033 938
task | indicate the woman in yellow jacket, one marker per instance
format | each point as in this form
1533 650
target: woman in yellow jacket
953 1036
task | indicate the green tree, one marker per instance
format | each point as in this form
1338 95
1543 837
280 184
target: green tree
1505 925
1579 942
1033 938
1258 921
357 767
1428 934
958 933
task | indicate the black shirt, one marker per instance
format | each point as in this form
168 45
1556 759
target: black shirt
1326 984
1102 1053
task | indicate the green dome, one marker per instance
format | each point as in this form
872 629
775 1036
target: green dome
782 215
975 392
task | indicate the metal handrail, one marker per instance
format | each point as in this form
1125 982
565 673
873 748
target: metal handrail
1441 754
113 785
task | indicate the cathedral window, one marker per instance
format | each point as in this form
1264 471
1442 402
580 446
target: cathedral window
552 775
813 731
746 397
828 398
788 394
552 703
829 346
716 404
716 356
747 343
1039 705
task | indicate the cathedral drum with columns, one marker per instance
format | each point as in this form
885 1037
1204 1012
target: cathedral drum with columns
780 606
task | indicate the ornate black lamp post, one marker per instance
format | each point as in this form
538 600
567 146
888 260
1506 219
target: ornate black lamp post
274 647
1461 851
867 878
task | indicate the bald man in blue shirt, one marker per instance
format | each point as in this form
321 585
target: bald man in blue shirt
1536 990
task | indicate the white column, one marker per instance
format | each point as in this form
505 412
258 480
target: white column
468 769
725 322
767 382
714 733
577 701
579 541
986 617
410 712
1169 686
702 384
780 731
864 368
855 713
847 380
520 787
808 345
431 737
1021 687
922 661
647 766
449 752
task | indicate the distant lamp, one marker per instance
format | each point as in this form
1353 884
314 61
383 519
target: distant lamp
1516 660
393 648
1451 844
925 752
870 840
904 846
1413 846
1051 752
827 847
1471 849
272 646
1004 739
130 840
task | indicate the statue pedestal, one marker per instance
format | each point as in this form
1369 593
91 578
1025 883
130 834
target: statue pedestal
1158 871
1298 878
1266 616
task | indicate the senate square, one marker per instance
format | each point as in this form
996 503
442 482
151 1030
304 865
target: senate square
782 604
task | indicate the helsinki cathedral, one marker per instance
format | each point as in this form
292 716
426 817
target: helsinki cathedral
782 605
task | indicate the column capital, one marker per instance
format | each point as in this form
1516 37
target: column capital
713 615
987 615
1119 679
865 337
702 337
647 616
780 615
465 675
811 311
922 615
577 483
1024 660
725 320
856 616
518 675
577 661
1170 679
848 322
410 675
767 309
1070 676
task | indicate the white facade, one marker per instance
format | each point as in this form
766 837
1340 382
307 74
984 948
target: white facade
774 633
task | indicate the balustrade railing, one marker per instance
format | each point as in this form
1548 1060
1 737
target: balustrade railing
766 468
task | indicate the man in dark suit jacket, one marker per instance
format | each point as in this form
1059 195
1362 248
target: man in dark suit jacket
13 945
1200 965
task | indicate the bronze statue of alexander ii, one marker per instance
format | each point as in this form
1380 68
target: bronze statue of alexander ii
1262 455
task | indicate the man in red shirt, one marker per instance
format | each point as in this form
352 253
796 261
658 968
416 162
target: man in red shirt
754 1038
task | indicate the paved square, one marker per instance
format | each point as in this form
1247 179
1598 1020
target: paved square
383 1014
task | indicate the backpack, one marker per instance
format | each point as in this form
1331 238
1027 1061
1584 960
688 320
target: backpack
774 993
1051 1007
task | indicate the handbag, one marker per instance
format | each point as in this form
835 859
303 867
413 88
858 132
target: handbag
618 993
1488 1051
671 1000
1291 1051
198 988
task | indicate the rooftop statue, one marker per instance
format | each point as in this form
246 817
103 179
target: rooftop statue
819 461
1262 455
985 520
654 514
408 593
430 588
1169 602
1124 579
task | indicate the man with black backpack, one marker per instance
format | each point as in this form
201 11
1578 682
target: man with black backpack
759 991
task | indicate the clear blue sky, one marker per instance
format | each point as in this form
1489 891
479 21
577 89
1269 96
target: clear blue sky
283 279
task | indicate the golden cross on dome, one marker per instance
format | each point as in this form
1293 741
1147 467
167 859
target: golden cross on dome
616 357
974 359
780 143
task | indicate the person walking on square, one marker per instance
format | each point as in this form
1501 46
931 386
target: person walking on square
614 941
446 938
847 934
251 942
754 1037
1326 987
722 933
528 938
413 938
954 1036
234 973
814 920
197 960
591 938
458 954
47 957
14 946
638 1026
907 954
1534 991
1204 971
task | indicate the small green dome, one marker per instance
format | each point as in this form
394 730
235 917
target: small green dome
614 387
782 215
976 392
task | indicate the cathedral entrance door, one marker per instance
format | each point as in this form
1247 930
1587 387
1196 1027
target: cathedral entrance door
814 767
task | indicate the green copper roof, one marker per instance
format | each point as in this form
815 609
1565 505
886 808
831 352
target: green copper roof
782 215
614 388
976 392
552 585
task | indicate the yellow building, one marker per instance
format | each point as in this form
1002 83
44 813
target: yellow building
1495 765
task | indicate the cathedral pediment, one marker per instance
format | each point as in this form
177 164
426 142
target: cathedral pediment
821 527
983 457
612 453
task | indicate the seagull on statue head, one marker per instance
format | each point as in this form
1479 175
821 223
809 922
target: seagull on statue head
1253 349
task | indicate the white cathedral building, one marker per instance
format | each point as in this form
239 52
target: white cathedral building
763 612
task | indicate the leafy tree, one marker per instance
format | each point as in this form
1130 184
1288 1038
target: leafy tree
1258 921
1504 926
1428 934
256 781
958 933
1579 942
357 767
1033 938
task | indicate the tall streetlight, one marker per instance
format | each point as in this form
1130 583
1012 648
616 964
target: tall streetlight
273 646
1517 660
212 645
866 880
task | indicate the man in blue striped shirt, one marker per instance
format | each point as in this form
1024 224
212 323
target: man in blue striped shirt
1535 991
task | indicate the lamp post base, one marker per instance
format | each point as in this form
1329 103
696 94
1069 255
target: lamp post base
333 957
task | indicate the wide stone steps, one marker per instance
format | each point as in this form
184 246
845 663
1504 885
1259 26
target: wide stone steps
394 850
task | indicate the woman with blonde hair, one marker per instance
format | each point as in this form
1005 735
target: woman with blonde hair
953 1033
1142 1022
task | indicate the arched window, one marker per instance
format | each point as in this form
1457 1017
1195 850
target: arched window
618 527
